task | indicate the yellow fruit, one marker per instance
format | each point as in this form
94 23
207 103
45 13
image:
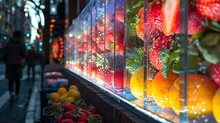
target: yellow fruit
200 92
70 100
161 87
54 96
75 94
63 98
61 91
216 106
73 87
137 84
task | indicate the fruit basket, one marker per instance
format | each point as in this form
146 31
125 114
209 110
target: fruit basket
161 57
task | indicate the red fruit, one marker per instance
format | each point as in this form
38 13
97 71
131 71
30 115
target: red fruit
85 112
119 79
67 121
209 8
120 15
170 16
69 107
96 118
154 22
80 117
55 104
92 109
58 119
155 14
105 75
67 115
215 73
141 12
158 44
195 22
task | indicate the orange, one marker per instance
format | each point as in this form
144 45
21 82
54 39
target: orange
73 87
63 98
137 84
161 87
200 92
61 91
54 96
216 106
70 100
74 93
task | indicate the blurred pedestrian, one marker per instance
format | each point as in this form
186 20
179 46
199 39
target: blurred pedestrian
31 61
13 55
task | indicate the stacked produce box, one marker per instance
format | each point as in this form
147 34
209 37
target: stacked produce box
160 56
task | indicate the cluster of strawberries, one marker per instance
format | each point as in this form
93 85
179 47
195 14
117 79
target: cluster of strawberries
75 113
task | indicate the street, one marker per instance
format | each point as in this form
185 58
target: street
15 112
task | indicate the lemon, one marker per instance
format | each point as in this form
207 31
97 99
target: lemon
70 100
74 93
73 87
54 96
137 84
63 98
61 91
216 106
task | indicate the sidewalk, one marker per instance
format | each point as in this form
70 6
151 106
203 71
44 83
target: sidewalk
19 110
33 109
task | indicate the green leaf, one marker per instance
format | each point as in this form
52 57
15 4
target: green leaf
211 39
138 5
134 59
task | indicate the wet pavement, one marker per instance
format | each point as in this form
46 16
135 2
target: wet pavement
16 111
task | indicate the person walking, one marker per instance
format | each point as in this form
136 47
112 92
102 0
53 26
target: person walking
13 55
31 61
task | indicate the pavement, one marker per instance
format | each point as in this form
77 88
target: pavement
26 109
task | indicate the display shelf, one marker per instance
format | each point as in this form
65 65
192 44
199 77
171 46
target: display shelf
94 94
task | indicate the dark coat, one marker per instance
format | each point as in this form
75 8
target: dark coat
13 55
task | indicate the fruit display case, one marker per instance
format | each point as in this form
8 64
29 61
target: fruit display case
161 57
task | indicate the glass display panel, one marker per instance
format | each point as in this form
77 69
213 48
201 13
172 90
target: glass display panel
160 57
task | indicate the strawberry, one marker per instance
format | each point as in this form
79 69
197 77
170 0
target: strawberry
155 14
195 22
153 22
96 118
170 16
119 38
67 121
56 109
67 115
79 116
209 8
85 112
158 44
58 119
70 107
215 73
92 110
120 15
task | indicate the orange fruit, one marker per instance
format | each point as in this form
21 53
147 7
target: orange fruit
137 84
63 98
140 29
216 106
70 100
74 93
61 91
161 87
200 92
73 87
54 96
